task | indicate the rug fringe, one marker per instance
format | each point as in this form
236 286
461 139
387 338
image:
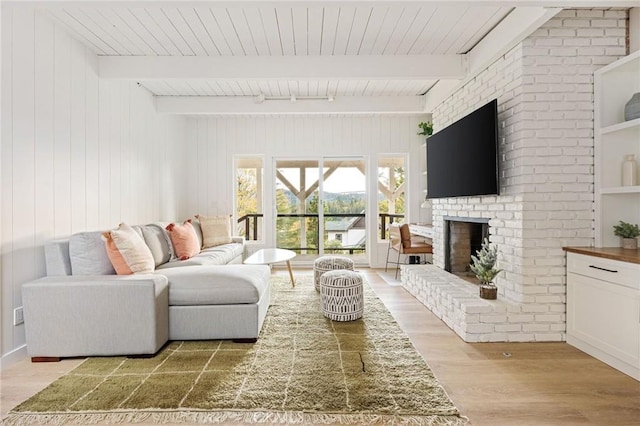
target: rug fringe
212 417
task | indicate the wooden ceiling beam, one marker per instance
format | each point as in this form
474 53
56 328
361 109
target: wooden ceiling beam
373 67
246 105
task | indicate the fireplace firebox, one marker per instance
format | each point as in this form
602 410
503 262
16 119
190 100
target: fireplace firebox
463 236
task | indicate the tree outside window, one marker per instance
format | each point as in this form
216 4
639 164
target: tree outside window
249 195
391 192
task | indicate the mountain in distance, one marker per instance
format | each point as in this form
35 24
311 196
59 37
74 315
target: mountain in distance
344 196
331 196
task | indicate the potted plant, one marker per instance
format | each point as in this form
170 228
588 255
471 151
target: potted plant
426 129
483 265
629 234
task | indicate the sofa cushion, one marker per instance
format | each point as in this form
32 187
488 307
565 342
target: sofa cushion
216 230
218 255
216 285
128 252
158 242
184 239
88 254
225 252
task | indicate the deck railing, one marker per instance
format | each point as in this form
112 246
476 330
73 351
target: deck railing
250 224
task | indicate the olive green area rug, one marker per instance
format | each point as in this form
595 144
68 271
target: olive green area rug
304 369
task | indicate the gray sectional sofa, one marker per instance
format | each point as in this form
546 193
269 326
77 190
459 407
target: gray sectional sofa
81 308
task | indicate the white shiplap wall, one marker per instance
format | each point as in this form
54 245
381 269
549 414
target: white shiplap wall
214 142
77 153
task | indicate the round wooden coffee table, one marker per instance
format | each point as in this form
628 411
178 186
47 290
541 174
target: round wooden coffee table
269 256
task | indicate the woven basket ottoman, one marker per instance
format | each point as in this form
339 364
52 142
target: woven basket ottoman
342 295
329 263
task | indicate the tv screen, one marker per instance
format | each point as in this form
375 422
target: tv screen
462 159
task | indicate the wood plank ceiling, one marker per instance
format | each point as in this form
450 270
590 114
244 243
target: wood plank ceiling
277 30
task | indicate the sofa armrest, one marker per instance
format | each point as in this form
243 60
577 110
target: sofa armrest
237 239
96 315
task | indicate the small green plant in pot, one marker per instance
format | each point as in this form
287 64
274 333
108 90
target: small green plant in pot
629 234
483 264
426 129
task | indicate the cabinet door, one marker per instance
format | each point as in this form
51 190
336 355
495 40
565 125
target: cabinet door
604 315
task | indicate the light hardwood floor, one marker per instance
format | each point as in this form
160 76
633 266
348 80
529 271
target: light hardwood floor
492 384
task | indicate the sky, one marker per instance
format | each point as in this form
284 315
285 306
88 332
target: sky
347 179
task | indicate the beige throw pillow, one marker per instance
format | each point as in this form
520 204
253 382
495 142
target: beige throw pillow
216 230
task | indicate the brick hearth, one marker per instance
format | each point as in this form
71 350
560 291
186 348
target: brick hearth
456 302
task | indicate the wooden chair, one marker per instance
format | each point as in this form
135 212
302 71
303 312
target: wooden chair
401 242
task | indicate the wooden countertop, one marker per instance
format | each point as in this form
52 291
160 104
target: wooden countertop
614 253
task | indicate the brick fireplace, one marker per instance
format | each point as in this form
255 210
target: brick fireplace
544 88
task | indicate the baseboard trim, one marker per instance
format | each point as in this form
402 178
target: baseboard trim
13 357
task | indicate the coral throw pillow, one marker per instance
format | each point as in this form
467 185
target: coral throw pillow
184 239
216 230
127 251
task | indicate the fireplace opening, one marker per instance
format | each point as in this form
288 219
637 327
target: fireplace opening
462 238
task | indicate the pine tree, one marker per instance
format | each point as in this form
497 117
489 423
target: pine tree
287 229
483 265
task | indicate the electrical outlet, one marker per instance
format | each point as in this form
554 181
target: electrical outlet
18 316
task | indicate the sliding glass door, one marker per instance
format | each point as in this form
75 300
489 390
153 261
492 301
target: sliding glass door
296 202
321 206
344 206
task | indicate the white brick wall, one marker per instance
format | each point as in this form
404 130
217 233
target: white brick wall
544 88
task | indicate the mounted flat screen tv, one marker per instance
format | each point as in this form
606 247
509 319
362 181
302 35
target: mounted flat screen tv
462 159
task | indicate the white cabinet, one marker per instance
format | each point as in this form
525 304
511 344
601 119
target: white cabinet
603 310
614 138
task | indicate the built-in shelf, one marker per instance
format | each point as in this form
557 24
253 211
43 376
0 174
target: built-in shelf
603 292
620 190
615 139
620 126
628 64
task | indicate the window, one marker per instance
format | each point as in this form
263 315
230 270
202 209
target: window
249 196
391 196
321 206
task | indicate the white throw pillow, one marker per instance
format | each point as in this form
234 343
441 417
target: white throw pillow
128 252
